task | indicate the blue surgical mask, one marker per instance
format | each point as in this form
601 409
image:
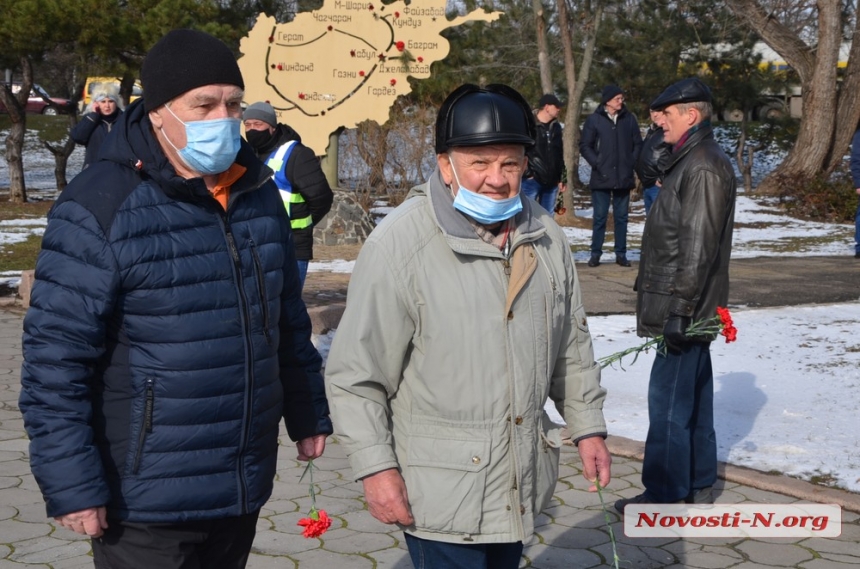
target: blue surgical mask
211 145
483 209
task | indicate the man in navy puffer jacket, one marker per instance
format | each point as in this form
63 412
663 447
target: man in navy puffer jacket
167 336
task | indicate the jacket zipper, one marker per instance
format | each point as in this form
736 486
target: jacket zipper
552 285
261 287
146 427
249 387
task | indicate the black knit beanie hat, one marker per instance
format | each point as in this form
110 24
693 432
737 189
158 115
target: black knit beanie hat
183 60
609 93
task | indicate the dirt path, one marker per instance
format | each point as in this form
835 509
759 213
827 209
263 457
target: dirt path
325 287
608 289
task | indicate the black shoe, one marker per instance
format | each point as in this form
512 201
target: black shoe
594 261
622 260
642 498
701 496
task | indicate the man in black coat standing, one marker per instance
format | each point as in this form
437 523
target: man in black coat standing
610 143
304 188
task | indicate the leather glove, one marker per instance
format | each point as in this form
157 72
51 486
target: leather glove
673 331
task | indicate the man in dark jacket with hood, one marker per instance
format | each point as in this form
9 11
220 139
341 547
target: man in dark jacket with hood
610 143
166 336
304 188
683 278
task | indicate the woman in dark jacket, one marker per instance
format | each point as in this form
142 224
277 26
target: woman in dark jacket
94 126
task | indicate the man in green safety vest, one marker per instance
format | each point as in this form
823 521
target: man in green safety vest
297 173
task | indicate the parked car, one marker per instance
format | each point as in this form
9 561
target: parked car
36 103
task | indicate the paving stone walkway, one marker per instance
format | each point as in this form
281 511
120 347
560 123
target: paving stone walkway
572 533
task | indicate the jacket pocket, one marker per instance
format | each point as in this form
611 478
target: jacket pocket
260 277
547 463
656 290
554 312
146 423
446 479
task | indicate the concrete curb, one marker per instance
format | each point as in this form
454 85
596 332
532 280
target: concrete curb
778 483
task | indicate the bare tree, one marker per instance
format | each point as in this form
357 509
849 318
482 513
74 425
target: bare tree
543 49
15 104
822 140
61 154
587 27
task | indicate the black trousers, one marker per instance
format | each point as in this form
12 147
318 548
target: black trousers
208 544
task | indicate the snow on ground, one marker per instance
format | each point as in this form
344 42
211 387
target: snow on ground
761 230
785 392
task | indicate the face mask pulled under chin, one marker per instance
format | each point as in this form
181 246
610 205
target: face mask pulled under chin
211 145
483 209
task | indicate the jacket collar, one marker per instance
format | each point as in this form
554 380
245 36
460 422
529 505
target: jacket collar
601 110
458 231
693 140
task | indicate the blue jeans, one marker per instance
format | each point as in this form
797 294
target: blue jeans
620 205
428 554
650 194
545 195
681 448
303 272
857 231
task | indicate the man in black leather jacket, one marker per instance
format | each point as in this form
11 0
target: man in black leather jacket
542 180
654 154
683 278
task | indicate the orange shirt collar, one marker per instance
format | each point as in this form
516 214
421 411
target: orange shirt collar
221 191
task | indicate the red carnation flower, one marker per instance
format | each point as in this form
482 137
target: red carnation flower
721 323
315 525
317 522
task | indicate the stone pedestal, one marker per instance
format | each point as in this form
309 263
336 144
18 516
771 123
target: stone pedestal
346 224
26 285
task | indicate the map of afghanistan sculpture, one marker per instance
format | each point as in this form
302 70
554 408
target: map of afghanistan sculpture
344 63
